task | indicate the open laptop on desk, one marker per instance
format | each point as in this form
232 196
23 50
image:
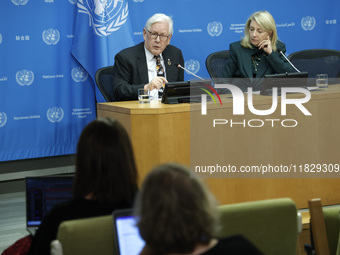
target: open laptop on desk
42 193
127 240
282 80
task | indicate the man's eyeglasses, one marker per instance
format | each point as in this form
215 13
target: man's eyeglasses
154 35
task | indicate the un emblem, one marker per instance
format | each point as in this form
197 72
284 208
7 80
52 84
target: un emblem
106 16
3 119
0 38
192 65
79 74
55 114
330 60
51 36
308 23
215 28
19 2
72 1
24 77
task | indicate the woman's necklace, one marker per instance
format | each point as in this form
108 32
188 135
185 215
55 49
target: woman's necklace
255 58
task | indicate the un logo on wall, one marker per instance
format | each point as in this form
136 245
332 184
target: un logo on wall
24 77
308 23
215 28
19 2
73 1
55 114
192 65
51 36
331 60
3 119
79 74
106 16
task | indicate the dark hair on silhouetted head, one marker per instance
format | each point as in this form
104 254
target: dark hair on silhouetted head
175 212
105 165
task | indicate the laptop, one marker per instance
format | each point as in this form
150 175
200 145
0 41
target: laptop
42 193
282 80
127 240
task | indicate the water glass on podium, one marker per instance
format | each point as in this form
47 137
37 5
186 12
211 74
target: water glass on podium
322 80
143 96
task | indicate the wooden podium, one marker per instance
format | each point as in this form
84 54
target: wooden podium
161 133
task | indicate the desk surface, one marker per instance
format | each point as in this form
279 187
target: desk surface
161 133
156 107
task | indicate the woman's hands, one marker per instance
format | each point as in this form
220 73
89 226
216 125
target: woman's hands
266 45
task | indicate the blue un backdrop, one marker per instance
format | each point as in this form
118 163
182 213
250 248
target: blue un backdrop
50 50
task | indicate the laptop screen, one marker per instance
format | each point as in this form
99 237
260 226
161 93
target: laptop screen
42 193
127 239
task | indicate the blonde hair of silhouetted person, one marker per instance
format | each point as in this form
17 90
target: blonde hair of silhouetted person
175 212
266 21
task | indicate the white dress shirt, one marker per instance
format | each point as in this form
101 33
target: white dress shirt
152 73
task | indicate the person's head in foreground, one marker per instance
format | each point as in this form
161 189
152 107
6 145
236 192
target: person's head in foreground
105 165
177 213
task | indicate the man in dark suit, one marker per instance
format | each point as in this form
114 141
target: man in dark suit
137 67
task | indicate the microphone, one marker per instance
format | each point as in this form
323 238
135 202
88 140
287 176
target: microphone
179 66
289 61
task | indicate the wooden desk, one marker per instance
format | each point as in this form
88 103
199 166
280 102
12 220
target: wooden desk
161 133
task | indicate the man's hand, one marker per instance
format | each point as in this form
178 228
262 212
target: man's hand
156 83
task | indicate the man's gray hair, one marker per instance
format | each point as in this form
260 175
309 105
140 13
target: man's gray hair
160 17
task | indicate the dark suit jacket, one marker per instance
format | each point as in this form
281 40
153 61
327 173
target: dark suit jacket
130 70
239 65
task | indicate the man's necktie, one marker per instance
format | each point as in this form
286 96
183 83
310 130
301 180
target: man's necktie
159 67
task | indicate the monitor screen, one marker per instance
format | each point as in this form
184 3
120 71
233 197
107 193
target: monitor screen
43 193
288 75
282 80
184 91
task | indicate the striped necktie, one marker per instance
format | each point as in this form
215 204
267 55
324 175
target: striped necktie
159 67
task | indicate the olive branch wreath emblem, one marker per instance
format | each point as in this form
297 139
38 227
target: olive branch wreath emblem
104 30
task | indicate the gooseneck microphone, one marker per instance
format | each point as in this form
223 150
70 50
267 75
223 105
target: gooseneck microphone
179 66
289 61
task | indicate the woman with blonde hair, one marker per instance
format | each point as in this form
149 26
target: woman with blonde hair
259 53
